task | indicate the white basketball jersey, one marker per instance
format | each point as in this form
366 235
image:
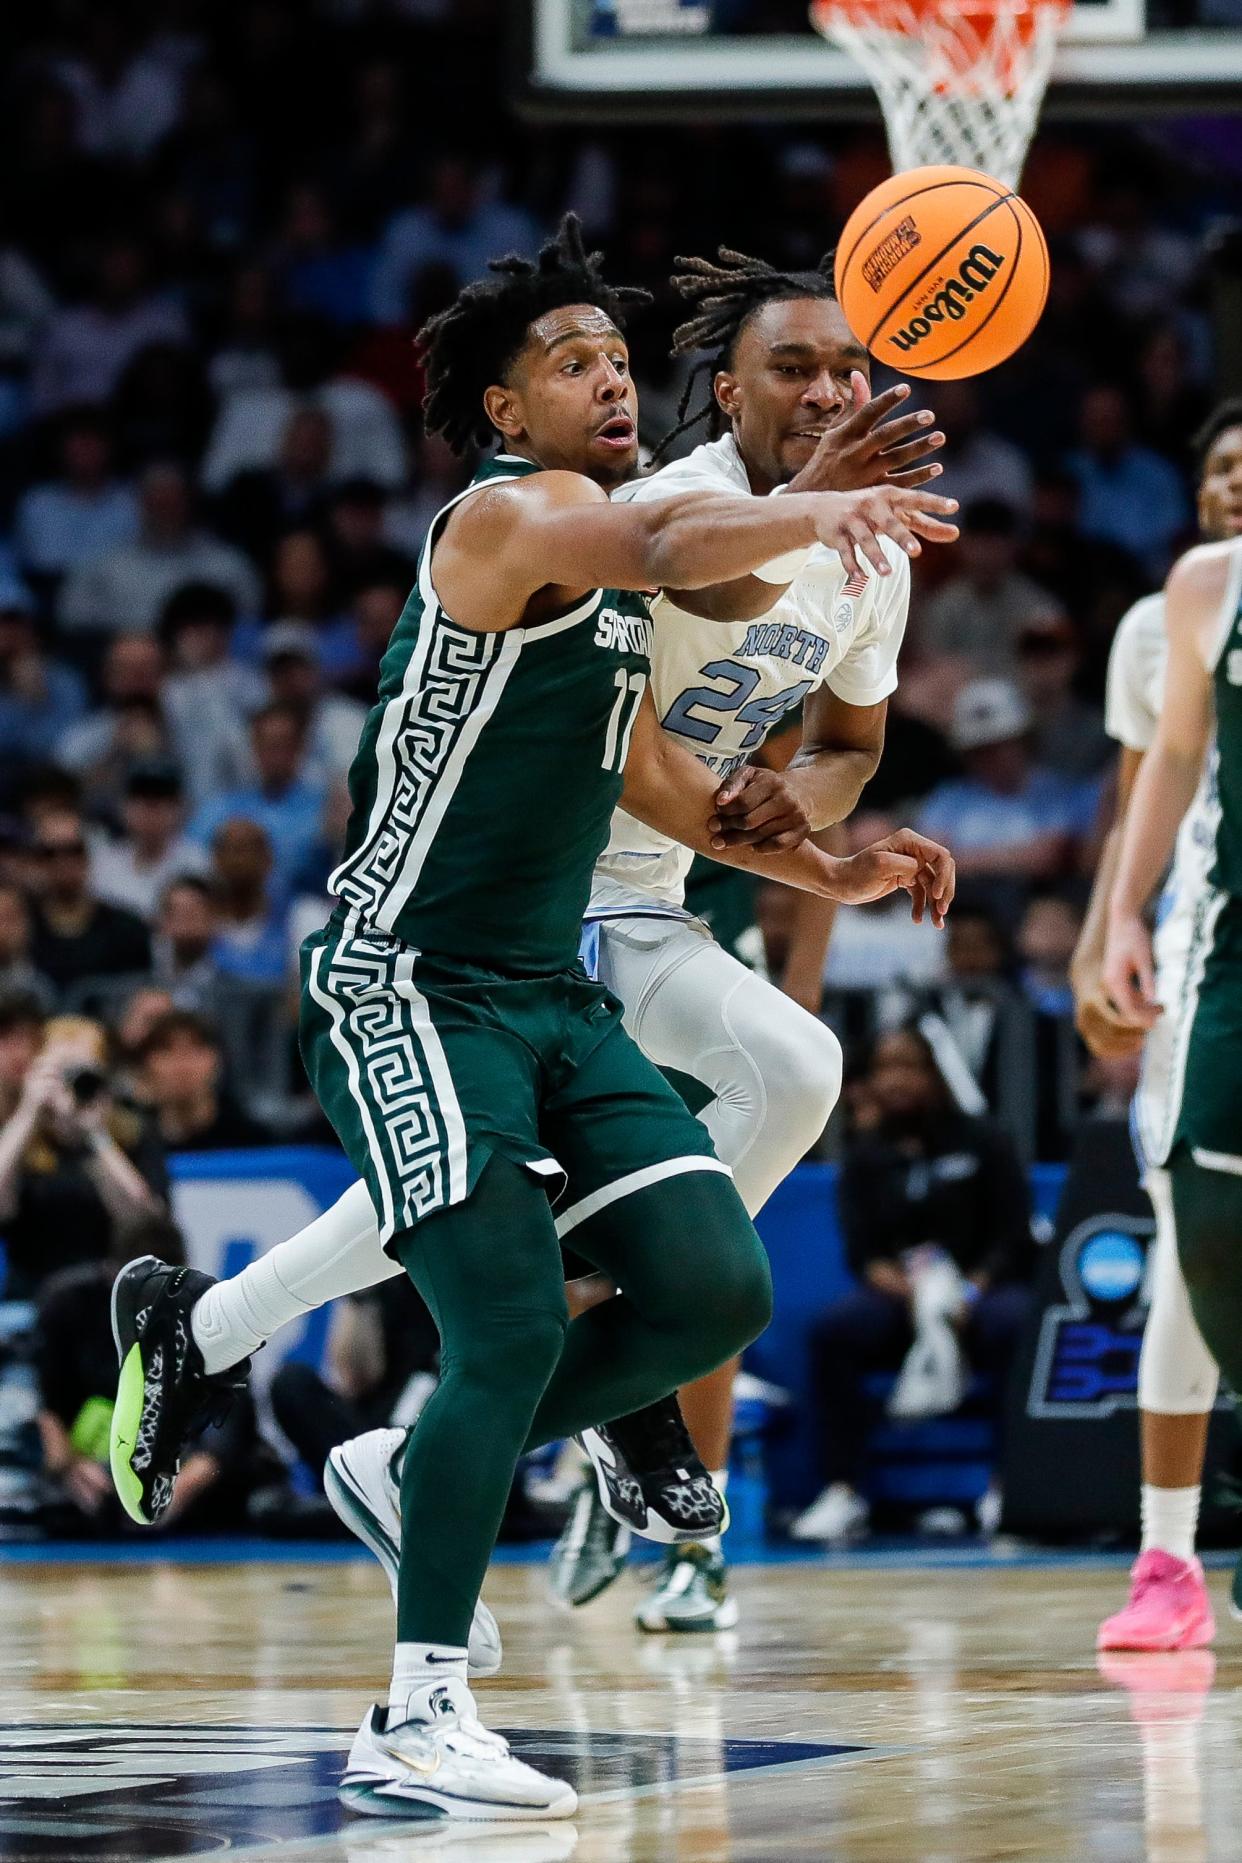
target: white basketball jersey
720 688
1136 663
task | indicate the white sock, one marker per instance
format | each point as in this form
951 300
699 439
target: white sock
416 1669
1170 1517
339 1253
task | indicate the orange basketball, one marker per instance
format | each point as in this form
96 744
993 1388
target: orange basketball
942 272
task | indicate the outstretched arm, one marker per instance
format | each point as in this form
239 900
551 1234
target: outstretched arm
557 530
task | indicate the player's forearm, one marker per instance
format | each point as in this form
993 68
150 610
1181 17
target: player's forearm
1164 791
705 539
830 782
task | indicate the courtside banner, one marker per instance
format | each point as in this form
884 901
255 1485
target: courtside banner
1072 1453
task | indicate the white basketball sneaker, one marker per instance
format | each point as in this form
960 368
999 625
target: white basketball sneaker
836 1516
359 1482
446 1765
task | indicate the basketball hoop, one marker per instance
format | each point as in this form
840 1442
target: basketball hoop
959 81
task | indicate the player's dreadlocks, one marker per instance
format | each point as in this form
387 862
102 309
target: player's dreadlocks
726 296
473 343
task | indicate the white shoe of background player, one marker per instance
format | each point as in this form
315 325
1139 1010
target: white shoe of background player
445 1763
358 1481
838 1514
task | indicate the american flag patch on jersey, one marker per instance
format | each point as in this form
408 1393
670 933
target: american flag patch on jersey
857 583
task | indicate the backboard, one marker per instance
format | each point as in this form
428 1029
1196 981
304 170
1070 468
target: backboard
662 58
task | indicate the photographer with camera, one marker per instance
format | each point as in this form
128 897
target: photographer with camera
76 1169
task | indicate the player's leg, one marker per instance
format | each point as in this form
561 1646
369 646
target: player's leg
1207 1207
436 1103
338 1253
650 1206
772 1076
1168 1607
489 1269
695 1289
772 1071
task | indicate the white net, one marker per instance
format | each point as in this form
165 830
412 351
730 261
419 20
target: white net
959 80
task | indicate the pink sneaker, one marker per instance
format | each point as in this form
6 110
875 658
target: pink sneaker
1169 1608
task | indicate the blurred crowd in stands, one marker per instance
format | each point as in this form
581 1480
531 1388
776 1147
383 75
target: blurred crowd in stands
222 224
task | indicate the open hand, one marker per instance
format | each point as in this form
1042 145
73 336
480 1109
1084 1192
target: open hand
864 447
903 861
758 808
852 523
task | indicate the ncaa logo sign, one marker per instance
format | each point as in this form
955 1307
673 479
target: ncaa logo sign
1086 1361
1110 1265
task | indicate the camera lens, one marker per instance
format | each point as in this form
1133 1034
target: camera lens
85 1084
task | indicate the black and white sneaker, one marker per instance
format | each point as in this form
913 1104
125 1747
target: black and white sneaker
163 1392
650 1477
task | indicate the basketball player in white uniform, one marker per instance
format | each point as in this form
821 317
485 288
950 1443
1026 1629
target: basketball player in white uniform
1168 1606
811 636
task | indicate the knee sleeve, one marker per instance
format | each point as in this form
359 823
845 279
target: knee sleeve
777 1080
804 1081
772 1070
1177 1374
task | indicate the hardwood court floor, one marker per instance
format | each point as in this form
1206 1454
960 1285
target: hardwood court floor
864 1713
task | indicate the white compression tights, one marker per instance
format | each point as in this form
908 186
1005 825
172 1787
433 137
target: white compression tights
339 1253
1177 1374
773 1070
774 1073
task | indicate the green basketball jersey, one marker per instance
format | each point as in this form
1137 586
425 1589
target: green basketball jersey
488 772
1226 772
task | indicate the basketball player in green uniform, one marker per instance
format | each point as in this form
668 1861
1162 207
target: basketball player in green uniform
466 1061
1200 719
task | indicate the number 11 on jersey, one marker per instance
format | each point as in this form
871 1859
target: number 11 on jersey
630 687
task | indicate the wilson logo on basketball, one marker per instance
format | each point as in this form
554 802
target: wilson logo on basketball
891 250
972 277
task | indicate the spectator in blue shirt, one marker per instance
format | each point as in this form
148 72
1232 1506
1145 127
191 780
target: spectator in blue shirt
39 698
83 512
1129 495
1010 823
252 939
285 800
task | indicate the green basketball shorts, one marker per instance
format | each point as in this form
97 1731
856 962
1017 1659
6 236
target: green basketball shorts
426 1068
1209 1014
